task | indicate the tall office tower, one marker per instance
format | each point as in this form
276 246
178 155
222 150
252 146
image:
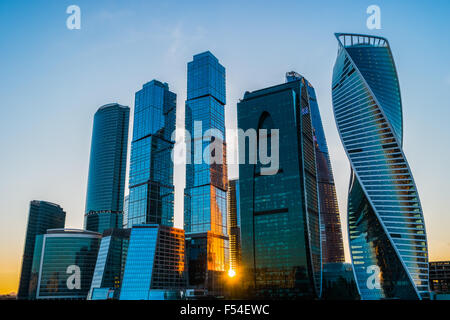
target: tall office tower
107 167
64 263
151 198
42 216
280 224
330 222
154 268
388 242
205 202
234 225
110 265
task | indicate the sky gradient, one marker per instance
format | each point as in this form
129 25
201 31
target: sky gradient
52 81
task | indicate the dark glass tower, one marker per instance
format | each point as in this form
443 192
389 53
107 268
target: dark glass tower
234 225
388 242
280 226
330 222
151 198
107 167
42 216
205 203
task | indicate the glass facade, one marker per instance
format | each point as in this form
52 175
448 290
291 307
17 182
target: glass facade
110 265
101 221
280 225
66 263
107 167
151 198
205 202
330 222
43 215
440 277
125 211
36 264
154 266
234 224
387 237
339 282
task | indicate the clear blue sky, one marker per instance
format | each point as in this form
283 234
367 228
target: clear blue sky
52 80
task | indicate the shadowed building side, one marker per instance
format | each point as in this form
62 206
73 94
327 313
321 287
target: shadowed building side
330 222
234 226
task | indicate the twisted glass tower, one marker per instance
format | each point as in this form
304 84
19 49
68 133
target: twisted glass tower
386 228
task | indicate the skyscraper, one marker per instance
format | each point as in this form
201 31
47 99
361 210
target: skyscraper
388 242
205 203
234 225
330 223
107 167
43 215
65 264
280 226
155 265
151 198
